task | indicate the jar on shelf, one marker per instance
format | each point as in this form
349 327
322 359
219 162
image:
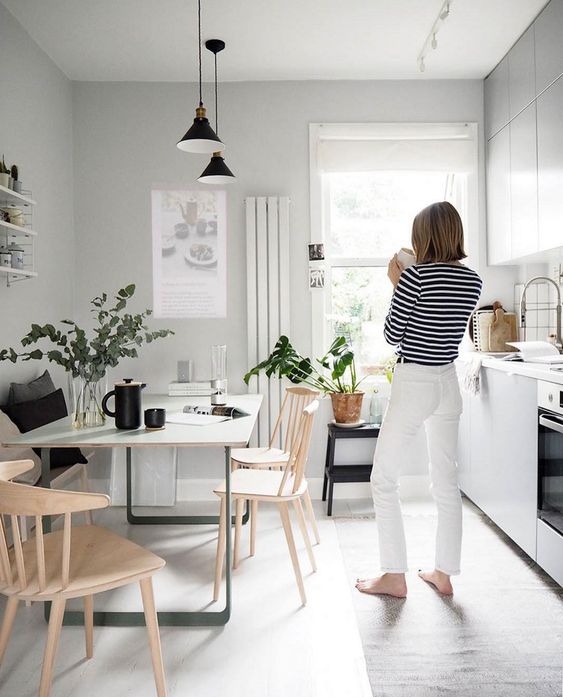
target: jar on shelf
16 255
5 257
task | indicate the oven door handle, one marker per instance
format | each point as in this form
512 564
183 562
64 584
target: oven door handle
553 424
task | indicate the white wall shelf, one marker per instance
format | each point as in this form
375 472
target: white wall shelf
23 273
11 198
22 235
17 229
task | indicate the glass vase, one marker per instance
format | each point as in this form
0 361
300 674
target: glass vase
86 401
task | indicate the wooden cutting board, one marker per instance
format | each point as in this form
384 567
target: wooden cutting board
501 330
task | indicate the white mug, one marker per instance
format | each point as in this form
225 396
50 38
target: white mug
406 257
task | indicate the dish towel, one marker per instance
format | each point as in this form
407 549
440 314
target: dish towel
472 378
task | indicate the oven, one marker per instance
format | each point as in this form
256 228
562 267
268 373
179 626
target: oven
550 458
550 479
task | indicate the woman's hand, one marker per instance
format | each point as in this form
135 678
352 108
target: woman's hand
394 270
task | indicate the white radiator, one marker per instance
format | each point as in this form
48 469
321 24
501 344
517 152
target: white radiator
267 264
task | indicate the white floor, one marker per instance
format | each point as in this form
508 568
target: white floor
272 647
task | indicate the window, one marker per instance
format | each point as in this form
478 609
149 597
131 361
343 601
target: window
368 190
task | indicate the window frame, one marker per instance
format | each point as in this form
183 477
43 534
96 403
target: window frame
320 221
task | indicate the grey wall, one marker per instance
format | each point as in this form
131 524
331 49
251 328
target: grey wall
36 134
125 136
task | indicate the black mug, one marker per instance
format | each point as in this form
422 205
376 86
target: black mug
155 418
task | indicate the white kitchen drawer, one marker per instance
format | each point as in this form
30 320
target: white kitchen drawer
550 551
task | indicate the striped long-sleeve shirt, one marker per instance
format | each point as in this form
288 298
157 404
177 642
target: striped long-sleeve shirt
430 310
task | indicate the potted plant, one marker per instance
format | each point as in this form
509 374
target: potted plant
116 334
335 375
4 174
16 183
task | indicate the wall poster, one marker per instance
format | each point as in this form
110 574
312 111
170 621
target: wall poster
189 253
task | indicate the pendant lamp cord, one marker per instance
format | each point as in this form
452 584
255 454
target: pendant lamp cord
199 48
216 101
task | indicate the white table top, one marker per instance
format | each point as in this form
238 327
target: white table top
234 432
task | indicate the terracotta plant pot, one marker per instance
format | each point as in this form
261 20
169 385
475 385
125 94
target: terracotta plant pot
346 407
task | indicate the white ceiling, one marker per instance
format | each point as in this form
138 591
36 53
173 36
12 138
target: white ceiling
156 40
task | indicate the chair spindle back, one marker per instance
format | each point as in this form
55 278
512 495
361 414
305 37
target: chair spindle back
295 466
294 401
24 500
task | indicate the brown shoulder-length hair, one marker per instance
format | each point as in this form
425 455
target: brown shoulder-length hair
437 234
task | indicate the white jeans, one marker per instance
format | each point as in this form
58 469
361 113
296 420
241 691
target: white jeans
420 395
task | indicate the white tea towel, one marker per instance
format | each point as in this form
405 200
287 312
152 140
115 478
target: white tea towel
472 378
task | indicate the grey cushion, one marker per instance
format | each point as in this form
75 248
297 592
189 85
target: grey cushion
28 391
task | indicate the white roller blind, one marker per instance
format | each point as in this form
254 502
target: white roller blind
396 147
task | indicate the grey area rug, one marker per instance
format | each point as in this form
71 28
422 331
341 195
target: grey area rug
501 633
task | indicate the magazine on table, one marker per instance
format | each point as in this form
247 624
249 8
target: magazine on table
203 415
215 410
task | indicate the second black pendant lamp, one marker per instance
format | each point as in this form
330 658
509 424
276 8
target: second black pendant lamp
216 171
200 138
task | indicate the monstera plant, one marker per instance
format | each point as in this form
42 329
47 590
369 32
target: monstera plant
333 374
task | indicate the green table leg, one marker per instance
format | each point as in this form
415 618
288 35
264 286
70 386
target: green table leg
165 619
134 519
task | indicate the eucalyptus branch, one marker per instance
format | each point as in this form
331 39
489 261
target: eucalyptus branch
117 335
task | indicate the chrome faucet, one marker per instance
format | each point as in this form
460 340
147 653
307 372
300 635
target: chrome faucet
558 341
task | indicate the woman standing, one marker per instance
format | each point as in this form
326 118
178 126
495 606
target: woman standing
430 309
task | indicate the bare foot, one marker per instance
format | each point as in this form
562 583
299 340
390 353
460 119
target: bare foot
388 584
439 580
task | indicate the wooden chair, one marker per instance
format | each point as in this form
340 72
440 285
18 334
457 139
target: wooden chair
274 486
295 400
69 563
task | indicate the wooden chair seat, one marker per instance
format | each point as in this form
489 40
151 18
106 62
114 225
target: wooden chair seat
259 457
99 560
255 483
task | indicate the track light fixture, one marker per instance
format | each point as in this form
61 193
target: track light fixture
431 41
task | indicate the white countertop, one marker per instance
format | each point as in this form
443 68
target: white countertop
538 371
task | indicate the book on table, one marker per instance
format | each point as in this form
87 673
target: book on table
537 351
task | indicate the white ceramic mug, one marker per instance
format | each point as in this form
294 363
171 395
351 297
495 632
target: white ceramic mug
406 257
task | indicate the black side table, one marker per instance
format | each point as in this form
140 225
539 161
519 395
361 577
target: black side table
345 473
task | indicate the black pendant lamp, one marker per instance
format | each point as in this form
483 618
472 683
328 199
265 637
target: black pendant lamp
200 138
216 171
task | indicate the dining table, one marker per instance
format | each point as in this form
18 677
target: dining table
230 433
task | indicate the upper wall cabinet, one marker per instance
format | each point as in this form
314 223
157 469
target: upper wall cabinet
548 29
524 127
550 166
498 198
497 112
521 73
523 183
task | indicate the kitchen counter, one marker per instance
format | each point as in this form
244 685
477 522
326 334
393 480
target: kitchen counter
538 371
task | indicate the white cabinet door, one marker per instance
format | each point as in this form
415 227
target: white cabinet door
514 477
524 183
502 478
521 73
498 197
550 166
548 30
496 99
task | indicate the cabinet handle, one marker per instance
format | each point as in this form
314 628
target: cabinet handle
553 424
